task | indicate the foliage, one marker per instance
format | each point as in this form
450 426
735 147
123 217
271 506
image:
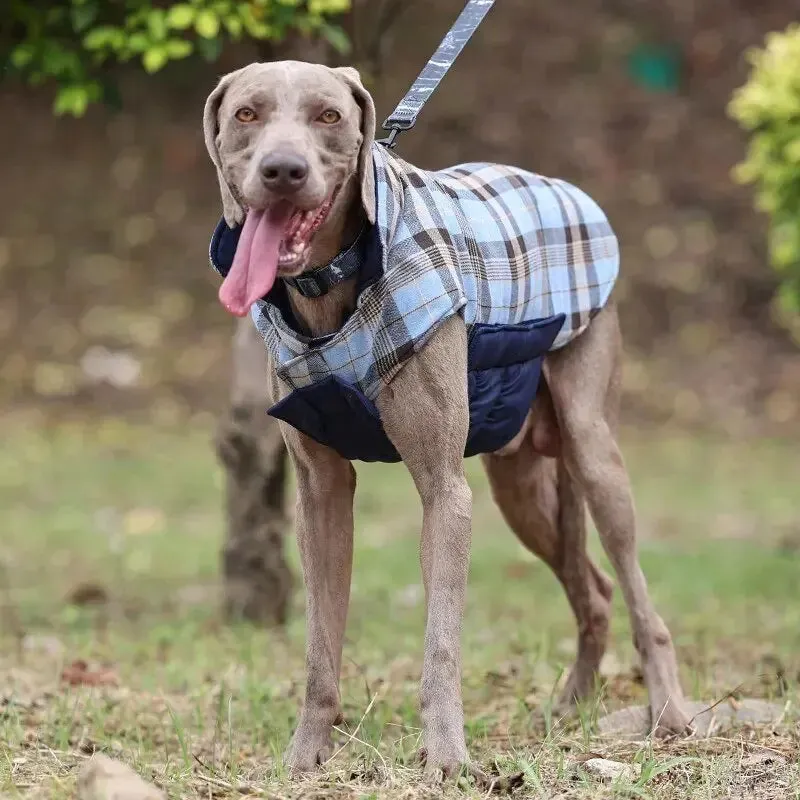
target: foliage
72 43
768 108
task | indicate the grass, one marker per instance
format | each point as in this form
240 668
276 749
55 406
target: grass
206 710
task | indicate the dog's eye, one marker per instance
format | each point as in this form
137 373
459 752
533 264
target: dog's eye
329 117
245 114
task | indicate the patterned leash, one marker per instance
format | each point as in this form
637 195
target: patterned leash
405 115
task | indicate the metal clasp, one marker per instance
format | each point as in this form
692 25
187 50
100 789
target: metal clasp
389 141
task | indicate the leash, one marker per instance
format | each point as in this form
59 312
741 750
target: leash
405 115
320 281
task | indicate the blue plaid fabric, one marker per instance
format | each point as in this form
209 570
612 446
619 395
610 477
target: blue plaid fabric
493 243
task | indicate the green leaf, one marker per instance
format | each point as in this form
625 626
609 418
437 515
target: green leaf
157 23
336 38
181 16
58 62
139 42
789 299
178 48
207 24
155 58
209 49
253 19
235 26
72 100
104 36
22 55
321 7
83 15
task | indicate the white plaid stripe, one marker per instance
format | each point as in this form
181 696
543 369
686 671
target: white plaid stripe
494 243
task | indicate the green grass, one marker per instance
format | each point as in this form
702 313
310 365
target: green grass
201 706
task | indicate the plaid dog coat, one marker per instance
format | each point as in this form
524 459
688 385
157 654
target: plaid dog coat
525 260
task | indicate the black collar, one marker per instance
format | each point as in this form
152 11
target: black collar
320 281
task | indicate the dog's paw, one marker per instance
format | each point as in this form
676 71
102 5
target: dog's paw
443 762
437 772
670 719
308 751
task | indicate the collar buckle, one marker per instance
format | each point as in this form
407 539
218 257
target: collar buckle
307 285
320 281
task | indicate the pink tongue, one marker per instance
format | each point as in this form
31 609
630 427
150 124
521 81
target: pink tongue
256 261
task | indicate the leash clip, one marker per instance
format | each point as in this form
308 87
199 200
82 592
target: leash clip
391 139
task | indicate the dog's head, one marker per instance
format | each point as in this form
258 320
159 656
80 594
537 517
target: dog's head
292 143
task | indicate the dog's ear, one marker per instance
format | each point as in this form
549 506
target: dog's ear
366 171
231 208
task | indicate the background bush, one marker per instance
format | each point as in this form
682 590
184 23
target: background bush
768 108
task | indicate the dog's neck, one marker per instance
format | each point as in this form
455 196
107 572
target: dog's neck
320 316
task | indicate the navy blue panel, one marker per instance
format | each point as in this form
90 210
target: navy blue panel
340 416
223 246
505 364
501 345
499 400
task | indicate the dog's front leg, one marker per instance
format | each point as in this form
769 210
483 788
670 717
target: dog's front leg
325 487
426 415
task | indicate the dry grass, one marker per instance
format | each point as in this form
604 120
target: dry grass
205 710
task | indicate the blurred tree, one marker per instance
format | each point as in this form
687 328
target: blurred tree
768 108
73 42
258 580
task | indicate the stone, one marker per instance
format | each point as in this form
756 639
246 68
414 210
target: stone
104 778
634 721
606 770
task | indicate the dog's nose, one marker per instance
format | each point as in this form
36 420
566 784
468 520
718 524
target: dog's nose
284 172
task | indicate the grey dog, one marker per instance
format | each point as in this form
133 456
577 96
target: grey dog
299 133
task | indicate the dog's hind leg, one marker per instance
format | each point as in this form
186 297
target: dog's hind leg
543 506
584 380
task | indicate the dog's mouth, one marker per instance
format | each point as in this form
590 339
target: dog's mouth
297 236
274 241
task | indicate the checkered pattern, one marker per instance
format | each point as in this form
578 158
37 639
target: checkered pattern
496 244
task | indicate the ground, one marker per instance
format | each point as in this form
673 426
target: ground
110 551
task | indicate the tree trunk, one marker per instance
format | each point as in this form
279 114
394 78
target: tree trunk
257 579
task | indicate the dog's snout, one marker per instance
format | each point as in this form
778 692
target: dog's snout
284 172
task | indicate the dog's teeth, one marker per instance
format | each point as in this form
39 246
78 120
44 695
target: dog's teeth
298 247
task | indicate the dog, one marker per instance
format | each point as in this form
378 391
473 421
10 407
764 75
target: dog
293 146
